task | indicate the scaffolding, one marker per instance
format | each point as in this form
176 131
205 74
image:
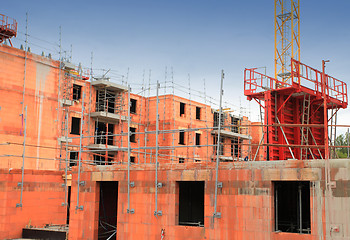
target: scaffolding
192 132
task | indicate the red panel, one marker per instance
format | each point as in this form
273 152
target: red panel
285 100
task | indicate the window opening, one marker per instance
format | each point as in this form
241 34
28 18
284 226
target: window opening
132 159
182 137
182 109
76 92
191 203
181 160
132 135
292 206
133 103
198 139
73 157
198 113
75 127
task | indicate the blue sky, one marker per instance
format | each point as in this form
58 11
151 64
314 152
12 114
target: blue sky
196 37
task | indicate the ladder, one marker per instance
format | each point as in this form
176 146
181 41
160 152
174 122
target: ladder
67 86
333 132
305 117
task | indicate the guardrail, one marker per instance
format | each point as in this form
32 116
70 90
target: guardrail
8 26
300 75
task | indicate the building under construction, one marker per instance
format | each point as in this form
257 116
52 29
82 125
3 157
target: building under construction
85 157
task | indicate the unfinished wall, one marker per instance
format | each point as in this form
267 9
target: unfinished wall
256 134
246 200
40 95
43 195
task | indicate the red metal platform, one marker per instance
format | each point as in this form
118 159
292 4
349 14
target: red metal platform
297 101
8 27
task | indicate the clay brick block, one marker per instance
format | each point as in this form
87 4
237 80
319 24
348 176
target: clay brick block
107 176
188 175
309 174
96 176
271 175
289 174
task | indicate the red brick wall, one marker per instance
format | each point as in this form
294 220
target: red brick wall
43 195
245 201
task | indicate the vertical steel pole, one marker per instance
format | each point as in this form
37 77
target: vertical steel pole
276 207
129 151
326 157
66 169
348 142
23 156
218 148
325 110
157 148
59 92
25 66
80 144
300 211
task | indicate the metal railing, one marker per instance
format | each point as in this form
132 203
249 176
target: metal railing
301 76
7 23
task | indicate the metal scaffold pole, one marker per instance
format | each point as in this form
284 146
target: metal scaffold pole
326 145
348 142
25 65
79 157
23 157
66 168
59 89
129 152
217 214
156 212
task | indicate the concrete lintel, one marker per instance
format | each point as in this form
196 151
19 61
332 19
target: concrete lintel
66 102
108 117
102 83
64 139
230 134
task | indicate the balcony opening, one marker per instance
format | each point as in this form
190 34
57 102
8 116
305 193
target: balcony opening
221 145
75 126
76 92
105 101
235 150
191 203
198 139
216 119
102 134
132 135
133 105
292 206
100 159
182 137
108 208
198 113
182 109
69 190
234 123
